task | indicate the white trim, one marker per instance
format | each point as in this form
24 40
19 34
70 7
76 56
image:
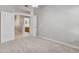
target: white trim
62 43
19 13
7 40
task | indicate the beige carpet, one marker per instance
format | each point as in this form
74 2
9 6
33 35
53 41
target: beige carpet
34 45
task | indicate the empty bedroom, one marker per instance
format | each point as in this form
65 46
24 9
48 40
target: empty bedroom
39 29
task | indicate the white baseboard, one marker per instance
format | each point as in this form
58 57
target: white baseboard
7 40
62 43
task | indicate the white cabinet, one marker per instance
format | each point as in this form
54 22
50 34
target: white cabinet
7 26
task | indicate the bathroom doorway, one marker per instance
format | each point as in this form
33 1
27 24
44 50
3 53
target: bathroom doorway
26 23
22 26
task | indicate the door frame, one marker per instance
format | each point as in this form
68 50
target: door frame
25 33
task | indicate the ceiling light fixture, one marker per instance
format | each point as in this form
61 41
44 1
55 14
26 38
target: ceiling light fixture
35 6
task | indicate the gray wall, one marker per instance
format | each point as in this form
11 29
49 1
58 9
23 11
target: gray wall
0 27
16 8
9 8
59 22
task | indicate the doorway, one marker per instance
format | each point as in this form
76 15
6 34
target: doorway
22 26
26 23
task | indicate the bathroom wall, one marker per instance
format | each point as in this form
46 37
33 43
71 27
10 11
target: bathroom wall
59 22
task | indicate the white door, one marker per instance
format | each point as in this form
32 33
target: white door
33 26
7 27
